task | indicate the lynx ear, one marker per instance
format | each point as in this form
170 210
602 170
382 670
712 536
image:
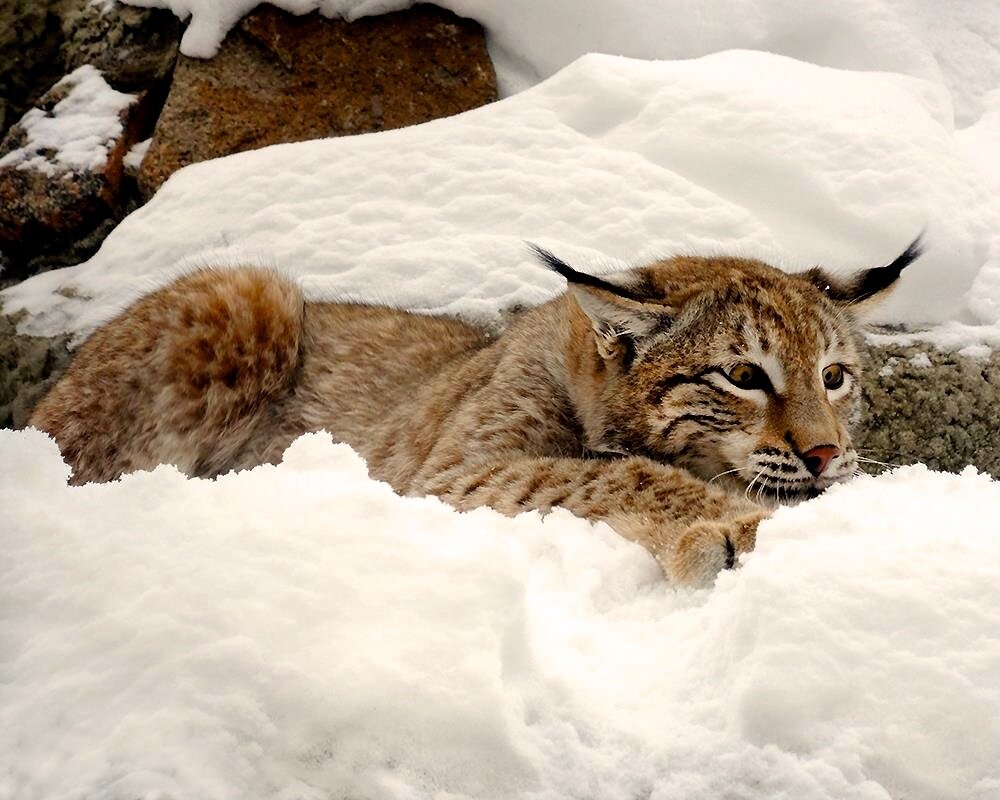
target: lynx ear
617 313
868 284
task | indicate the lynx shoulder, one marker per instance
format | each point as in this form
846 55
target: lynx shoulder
677 402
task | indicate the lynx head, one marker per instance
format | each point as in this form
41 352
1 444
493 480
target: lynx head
727 367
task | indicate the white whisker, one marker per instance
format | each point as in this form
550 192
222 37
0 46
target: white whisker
746 494
727 472
880 463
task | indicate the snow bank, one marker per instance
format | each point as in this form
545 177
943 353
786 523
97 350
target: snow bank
611 160
301 632
79 131
531 40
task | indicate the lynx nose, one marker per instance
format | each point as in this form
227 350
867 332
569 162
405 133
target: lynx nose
819 458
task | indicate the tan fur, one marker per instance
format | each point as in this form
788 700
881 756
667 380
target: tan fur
223 369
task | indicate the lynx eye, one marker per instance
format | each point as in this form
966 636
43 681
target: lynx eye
833 376
748 376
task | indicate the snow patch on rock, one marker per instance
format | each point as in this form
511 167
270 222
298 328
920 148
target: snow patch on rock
135 155
79 131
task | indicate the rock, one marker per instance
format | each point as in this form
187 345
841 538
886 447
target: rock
281 78
56 186
135 48
42 40
938 408
30 38
49 220
28 366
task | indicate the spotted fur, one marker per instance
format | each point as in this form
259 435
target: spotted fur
615 401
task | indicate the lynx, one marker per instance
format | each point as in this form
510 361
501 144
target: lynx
678 402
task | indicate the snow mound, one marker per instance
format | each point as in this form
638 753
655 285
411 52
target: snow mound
79 131
530 41
611 160
300 631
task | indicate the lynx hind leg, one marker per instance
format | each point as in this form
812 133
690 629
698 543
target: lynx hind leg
185 376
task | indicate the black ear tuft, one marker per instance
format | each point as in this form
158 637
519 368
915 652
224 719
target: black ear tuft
618 315
573 276
868 283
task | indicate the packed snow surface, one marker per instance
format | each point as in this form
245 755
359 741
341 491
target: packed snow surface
300 631
954 45
612 161
79 130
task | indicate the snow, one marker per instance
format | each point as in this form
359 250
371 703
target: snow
300 631
976 351
889 367
530 40
612 161
79 131
135 155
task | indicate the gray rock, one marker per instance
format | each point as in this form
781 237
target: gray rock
938 408
28 366
135 48
42 40
31 36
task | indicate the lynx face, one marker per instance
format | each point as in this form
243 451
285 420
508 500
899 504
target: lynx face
730 368
755 384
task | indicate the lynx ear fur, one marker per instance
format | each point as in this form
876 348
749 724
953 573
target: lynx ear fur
618 314
868 284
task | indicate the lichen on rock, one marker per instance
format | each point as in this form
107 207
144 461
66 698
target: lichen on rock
936 407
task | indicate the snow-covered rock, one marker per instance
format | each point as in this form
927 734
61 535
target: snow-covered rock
300 631
531 40
61 165
611 160
75 130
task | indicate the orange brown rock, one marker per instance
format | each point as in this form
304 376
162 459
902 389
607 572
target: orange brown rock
281 78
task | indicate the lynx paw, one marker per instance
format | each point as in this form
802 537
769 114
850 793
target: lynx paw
708 547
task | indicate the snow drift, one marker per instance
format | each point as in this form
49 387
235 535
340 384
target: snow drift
300 631
611 160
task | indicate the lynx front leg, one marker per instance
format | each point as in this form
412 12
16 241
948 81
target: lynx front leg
702 550
692 529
